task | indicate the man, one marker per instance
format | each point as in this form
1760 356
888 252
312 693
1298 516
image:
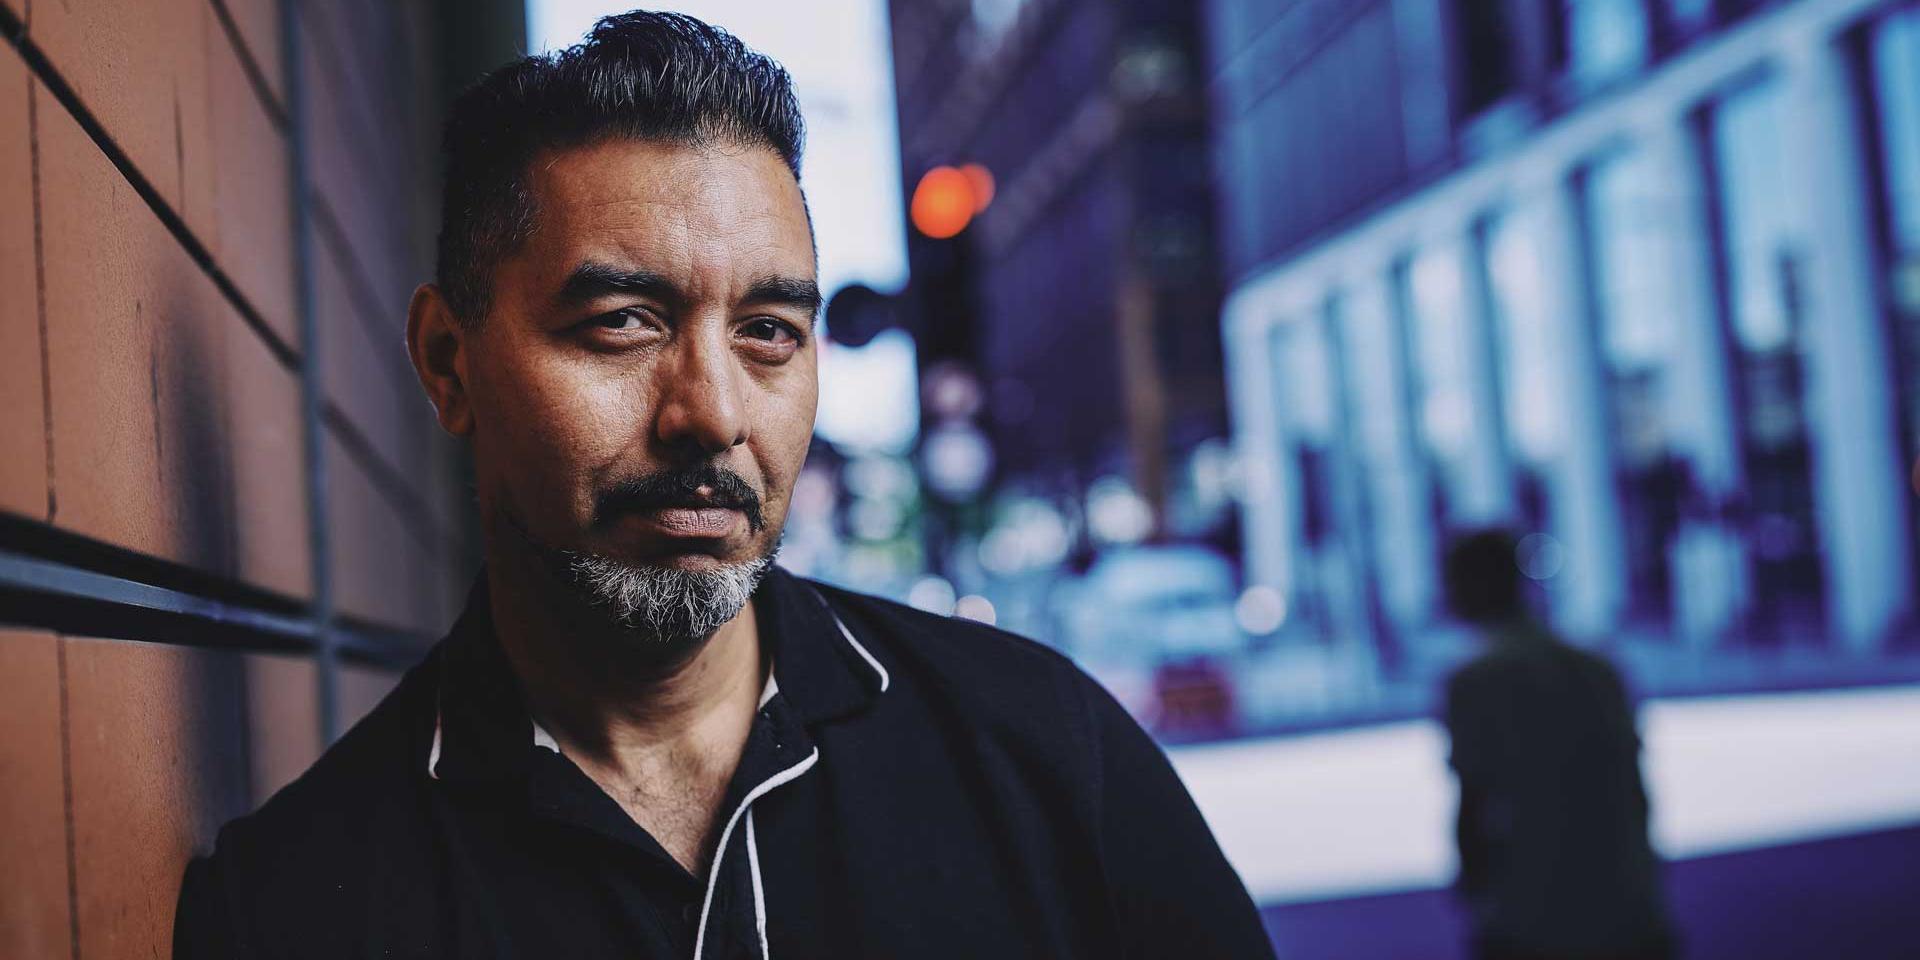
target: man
642 739
1554 860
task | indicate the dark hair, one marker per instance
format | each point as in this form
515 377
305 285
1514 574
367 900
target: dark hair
644 76
1482 573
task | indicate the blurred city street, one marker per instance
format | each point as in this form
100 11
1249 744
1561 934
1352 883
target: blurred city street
1367 810
1364 816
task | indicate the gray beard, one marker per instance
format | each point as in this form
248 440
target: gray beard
666 605
656 606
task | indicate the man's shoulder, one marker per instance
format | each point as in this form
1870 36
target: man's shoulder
1005 686
1531 658
1479 669
345 842
342 803
965 650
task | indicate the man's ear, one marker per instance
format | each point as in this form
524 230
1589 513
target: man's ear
437 342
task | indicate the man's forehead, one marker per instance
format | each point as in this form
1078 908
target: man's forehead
722 178
719 204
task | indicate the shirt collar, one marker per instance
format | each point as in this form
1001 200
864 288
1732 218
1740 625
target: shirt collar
824 669
482 729
541 738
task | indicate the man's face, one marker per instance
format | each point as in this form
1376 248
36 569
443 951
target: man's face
645 385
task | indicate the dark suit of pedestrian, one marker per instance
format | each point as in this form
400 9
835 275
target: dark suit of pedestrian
1554 857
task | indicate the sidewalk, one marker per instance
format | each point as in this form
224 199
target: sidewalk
1340 814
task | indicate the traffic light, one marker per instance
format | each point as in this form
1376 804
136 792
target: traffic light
943 293
858 313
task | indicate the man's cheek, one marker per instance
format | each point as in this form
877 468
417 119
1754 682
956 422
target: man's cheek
577 420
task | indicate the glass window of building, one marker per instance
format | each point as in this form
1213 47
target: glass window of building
1388 493
1371 363
1764 259
1445 345
1307 420
1527 332
1894 51
1375 405
1687 17
1487 68
1632 216
1334 582
1605 39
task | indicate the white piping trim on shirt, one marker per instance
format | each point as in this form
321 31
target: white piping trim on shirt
885 679
720 849
759 891
433 752
541 738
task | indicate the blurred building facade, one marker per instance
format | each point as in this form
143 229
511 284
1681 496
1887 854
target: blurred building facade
1074 298
227 519
1637 278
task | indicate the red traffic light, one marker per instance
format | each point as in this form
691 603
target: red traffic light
947 198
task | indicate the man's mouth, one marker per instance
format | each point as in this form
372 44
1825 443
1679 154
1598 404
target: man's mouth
706 502
692 521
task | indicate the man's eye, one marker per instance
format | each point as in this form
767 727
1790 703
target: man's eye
771 330
626 318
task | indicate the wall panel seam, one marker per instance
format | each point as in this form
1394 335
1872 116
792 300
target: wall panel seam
314 441
40 291
255 76
339 71
366 303
389 481
66 799
43 71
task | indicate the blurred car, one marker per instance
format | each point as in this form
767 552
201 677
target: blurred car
1156 625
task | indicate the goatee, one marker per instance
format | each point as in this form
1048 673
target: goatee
657 606
663 605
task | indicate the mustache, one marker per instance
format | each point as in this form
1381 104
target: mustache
681 488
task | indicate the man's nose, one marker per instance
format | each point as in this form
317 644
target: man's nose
703 400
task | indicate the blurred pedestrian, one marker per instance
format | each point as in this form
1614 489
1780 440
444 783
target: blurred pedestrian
1554 858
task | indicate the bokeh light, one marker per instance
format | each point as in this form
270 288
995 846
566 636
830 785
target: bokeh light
943 203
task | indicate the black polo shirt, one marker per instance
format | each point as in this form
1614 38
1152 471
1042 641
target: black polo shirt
913 786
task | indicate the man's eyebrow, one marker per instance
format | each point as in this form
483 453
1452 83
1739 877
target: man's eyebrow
592 280
796 292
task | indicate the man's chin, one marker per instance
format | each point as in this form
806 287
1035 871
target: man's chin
674 605
672 590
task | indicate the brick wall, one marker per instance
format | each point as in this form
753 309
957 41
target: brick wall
226 516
